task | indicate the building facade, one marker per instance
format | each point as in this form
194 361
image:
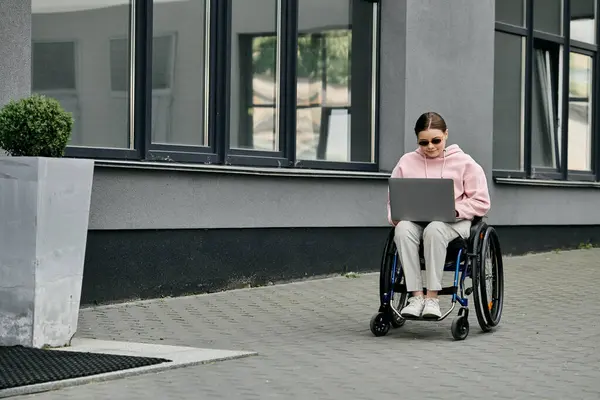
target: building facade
249 141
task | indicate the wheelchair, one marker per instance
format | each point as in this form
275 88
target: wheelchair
466 258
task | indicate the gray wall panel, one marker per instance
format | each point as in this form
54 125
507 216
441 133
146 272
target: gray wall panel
392 86
15 49
139 199
450 67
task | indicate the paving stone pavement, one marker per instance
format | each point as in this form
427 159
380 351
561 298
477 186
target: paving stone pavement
314 341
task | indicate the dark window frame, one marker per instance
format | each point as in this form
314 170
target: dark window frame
218 151
569 46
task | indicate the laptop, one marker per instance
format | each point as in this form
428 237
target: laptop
422 199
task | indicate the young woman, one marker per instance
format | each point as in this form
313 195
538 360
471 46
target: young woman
433 159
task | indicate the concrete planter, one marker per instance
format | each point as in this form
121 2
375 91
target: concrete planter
44 213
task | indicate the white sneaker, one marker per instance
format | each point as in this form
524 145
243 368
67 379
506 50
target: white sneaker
414 307
432 309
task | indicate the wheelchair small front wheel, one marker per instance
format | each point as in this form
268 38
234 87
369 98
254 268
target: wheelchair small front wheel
460 327
380 324
397 322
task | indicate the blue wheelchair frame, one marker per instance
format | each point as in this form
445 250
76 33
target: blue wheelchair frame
460 261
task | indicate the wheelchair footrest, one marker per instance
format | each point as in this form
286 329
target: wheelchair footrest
421 319
447 291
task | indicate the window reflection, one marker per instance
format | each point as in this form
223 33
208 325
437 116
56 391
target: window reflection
323 94
80 56
333 89
545 130
580 112
178 67
254 112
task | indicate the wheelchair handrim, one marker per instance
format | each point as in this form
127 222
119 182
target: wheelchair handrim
492 309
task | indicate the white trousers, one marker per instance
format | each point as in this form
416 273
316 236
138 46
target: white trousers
436 237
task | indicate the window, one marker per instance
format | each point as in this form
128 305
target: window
282 83
76 61
54 74
544 90
308 106
255 77
178 81
334 101
547 16
511 11
580 112
508 102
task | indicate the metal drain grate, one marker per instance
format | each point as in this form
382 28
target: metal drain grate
22 366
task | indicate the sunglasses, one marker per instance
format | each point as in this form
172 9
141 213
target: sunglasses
425 142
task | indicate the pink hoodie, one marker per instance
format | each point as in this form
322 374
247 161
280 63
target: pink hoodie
470 185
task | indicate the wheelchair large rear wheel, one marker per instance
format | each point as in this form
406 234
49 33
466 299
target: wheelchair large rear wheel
488 281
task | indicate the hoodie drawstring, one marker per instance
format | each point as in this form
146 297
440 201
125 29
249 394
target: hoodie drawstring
443 165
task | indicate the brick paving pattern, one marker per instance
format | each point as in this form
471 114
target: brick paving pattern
314 342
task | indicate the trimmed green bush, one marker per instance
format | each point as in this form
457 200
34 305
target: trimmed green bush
36 126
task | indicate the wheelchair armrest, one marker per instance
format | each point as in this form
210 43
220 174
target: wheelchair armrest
477 225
